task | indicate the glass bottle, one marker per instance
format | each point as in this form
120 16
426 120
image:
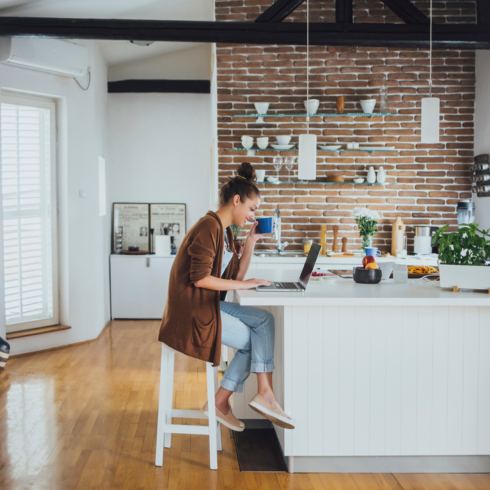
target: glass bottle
401 242
383 97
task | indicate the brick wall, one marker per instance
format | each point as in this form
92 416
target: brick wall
430 179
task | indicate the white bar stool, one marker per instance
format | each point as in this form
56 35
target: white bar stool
165 428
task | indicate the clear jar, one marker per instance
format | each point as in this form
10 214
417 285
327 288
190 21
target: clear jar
307 243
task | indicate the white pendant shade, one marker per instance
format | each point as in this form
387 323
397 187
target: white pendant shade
307 157
431 107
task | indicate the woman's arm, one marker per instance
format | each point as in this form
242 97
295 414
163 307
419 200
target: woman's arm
218 284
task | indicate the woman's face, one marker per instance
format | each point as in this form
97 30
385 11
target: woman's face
244 211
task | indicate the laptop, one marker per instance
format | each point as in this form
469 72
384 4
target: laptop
303 278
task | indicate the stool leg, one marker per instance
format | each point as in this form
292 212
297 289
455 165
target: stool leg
213 452
170 394
218 425
162 406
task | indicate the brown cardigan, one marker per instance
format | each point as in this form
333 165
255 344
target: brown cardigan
191 321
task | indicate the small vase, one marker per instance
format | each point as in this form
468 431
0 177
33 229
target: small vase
371 176
381 178
366 241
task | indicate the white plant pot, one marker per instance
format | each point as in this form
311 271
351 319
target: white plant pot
465 276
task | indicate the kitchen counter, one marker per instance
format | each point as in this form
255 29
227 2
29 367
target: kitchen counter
379 378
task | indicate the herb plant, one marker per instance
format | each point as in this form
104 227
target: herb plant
468 246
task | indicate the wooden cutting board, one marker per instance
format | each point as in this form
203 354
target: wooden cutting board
340 256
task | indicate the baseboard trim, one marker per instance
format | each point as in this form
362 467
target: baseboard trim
36 331
61 346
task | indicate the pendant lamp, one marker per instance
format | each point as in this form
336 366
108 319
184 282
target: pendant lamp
431 106
307 142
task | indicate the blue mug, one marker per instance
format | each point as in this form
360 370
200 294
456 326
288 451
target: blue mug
264 225
373 251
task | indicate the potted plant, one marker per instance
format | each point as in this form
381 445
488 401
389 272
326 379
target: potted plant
238 243
367 221
463 257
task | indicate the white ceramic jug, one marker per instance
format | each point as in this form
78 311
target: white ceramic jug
381 176
371 176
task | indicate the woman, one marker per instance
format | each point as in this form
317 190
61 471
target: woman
197 320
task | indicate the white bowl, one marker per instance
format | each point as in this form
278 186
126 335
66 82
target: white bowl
368 105
261 107
311 105
272 179
263 142
283 140
330 148
359 180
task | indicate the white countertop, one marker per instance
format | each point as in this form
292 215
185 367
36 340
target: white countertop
346 292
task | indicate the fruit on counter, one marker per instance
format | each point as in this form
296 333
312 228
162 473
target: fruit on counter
318 274
372 265
368 259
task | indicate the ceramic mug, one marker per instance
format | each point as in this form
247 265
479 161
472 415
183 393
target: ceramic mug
262 142
265 225
283 140
368 105
373 251
260 175
311 105
247 142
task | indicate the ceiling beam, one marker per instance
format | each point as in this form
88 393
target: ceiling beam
161 86
483 12
343 11
454 36
407 11
279 10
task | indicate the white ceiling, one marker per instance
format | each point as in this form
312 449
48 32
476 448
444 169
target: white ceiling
117 52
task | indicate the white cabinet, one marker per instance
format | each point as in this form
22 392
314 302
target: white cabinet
139 285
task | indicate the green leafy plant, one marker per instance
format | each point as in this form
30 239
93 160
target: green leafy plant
467 246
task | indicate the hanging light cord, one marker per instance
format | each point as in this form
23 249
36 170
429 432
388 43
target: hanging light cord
430 52
308 66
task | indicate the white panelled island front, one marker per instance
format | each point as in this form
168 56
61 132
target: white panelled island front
379 377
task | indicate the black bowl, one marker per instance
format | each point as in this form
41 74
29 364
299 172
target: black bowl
367 276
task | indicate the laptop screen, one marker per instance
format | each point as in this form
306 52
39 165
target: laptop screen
309 264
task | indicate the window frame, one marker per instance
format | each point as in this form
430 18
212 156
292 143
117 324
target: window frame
30 100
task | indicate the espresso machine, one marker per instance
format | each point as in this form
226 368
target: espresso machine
466 212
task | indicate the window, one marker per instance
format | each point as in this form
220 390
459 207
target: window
28 151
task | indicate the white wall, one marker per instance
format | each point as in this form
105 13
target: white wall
482 126
84 241
161 143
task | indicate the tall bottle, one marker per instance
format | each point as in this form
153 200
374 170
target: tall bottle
323 240
383 97
394 231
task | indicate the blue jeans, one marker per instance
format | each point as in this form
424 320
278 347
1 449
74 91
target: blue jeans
251 331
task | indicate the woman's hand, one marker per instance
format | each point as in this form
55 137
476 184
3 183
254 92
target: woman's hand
253 236
253 283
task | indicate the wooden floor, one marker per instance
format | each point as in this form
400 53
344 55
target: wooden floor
85 417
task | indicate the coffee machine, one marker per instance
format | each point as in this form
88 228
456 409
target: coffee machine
466 212
423 240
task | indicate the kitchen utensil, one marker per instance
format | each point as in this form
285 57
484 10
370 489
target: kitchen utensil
262 142
282 147
335 245
283 140
344 245
368 105
329 147
311 105
272 179
367 276
359 180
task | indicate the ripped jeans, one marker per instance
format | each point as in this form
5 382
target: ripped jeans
251 331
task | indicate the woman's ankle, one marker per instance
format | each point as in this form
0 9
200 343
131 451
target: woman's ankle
268 395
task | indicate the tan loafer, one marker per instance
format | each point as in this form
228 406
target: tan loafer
228 420
272 412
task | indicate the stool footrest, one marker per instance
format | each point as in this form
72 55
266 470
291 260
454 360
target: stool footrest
186 429
188 414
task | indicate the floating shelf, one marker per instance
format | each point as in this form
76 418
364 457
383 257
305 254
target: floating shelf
309 182
295 149
321 114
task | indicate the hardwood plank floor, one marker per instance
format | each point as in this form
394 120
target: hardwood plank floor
85 417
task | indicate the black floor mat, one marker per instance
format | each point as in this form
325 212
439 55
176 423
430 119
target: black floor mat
258 447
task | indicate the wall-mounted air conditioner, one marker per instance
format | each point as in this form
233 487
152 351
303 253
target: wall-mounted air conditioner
50 55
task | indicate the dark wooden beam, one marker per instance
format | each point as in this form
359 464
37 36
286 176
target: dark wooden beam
454 36
483 12
161 86
279 10
407 11
343 11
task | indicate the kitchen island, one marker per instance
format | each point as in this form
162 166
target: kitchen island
379 378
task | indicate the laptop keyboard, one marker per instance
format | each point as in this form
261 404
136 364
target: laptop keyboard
287 285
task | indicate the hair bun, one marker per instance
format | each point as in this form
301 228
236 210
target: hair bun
247 171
